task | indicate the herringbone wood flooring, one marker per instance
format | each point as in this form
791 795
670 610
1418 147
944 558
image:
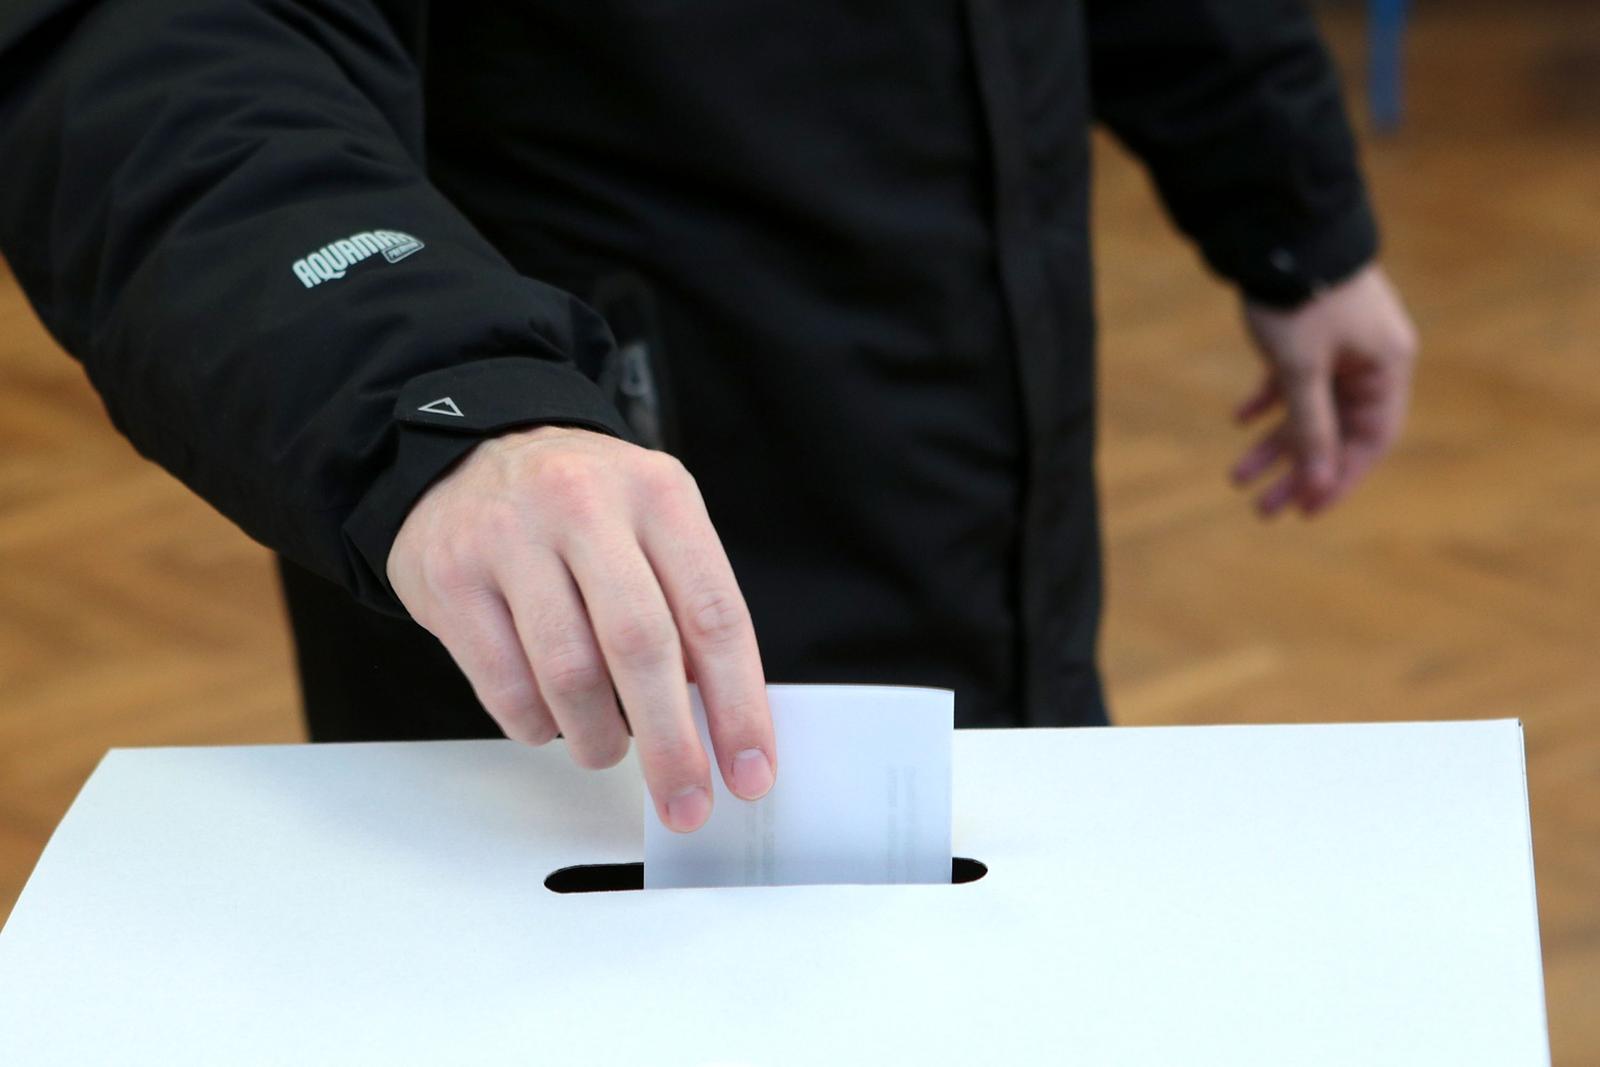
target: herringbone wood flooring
1463 582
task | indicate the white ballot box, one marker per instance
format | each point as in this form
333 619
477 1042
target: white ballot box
1353 895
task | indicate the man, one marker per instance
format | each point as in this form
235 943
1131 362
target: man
405 289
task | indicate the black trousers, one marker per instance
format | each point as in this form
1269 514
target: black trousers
365 676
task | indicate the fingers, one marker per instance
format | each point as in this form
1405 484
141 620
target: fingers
1268 450
718 636
1309 436
637 634
1265 398
1278 495
1358 459
1312 431
1261 456
477 629
567 664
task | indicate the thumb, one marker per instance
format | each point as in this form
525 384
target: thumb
1313 430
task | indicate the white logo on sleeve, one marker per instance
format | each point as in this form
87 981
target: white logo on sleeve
332 260
443 406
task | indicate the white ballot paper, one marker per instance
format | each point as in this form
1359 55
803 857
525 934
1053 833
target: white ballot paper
862 796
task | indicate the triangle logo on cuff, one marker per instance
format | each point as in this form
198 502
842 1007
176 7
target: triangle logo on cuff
443 406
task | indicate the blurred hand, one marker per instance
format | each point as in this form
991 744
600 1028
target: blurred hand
1341 366
563 568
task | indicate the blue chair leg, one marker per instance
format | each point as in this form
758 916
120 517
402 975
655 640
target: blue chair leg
1386 26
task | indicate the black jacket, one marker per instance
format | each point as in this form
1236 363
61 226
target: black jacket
840 245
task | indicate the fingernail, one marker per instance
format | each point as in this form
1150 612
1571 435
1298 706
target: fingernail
752 774
688 810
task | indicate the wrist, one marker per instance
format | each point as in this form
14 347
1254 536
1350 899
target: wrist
443 416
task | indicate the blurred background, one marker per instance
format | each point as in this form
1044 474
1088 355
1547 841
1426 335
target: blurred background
1462 582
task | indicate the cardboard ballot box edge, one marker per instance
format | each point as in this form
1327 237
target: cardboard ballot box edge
388 899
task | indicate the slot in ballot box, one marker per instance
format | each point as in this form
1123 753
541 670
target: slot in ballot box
1162 896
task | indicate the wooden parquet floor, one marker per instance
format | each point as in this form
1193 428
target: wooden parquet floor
1464 581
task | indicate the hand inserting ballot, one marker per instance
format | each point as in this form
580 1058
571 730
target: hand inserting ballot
563 569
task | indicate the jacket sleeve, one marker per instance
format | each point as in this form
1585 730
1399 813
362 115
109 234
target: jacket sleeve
220 208
1235 107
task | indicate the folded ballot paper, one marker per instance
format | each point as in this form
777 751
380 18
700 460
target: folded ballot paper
862 797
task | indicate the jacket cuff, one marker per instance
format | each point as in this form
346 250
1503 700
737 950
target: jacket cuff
443 415
1289 269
